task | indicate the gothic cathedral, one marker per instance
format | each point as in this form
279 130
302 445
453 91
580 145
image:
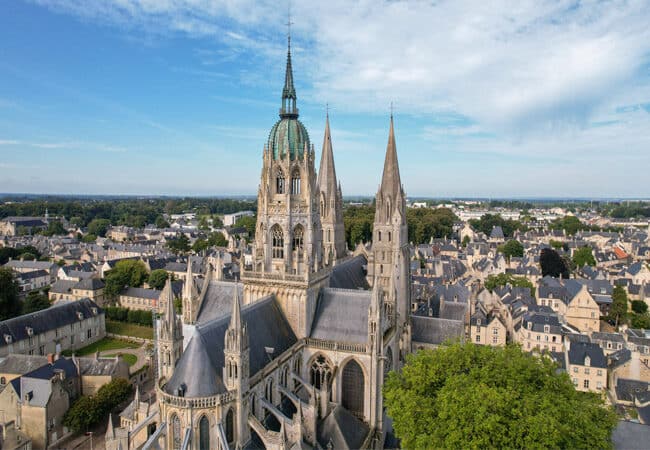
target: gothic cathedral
296 354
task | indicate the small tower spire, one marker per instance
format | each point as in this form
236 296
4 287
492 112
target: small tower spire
289 91
391 183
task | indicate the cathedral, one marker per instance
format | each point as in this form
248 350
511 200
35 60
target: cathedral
295 355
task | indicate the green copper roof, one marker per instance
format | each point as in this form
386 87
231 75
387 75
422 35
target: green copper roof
288 137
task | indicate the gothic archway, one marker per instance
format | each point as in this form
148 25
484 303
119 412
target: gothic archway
353 388
177 439
204 433
295 182
298 236
230 427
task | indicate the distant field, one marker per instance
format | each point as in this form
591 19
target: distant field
129 329
127 357
102 345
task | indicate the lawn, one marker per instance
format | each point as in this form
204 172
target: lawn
102 345
127 357
129 329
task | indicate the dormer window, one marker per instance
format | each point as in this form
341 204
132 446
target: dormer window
547 329
94 310
8 339
530 325
80 315
587 361
30 331
478 322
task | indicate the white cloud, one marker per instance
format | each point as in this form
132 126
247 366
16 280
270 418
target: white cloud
69 145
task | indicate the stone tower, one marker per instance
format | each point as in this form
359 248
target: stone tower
389 262
331 203
170 334
287 255
190 296
236 370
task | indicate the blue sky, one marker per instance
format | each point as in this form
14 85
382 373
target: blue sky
177 96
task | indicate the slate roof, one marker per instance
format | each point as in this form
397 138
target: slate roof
541 316
36 265
626 390
497 233
431 330
21 364
342 429
33 274
350 274
581 350
200 368
97 366
218 300
55 316
342 315
613 337
62 286
90 284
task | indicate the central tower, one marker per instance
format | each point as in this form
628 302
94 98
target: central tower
287 255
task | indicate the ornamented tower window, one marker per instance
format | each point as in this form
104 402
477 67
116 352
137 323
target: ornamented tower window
295 183
298 237
278 242
279 182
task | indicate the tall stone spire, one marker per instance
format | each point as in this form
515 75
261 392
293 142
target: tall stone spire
327 172
289 91
170 338
391 184
235 318
331 203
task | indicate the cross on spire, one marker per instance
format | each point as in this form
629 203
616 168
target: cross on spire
391 109
289 22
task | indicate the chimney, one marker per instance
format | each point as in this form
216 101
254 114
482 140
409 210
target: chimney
50 358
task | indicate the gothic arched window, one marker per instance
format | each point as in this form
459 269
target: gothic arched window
230 427
279 182
353 388
297 367
295 182
268 392
204 433
277 237
320 372
284 377
298 234
176 433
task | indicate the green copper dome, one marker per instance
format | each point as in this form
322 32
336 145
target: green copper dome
288 137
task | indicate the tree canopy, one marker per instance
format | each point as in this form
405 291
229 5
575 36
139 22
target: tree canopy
35 301
9 289
584 256
180 244
128 272
157 279
512 248
99 227
488 221
618 310
472 396
494 281
552 264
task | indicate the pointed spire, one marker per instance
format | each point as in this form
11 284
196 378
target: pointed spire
327 172
169 322
109 430
136 398
235 318
289 91
391 183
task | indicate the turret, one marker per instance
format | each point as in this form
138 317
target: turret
236 369
170 335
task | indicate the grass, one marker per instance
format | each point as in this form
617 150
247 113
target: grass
102 345
129 329
127 357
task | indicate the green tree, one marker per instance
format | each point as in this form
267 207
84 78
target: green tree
584 256
128 272
9 290
203 224
113 393
217 239
552 264
200 245
99 227
83 414
54 228
494 281
248 222
35 301
180 244
640 321
472 396
512 248
466 240
157 278
557 245
161 222
639 306
618 310
89 238
570 224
